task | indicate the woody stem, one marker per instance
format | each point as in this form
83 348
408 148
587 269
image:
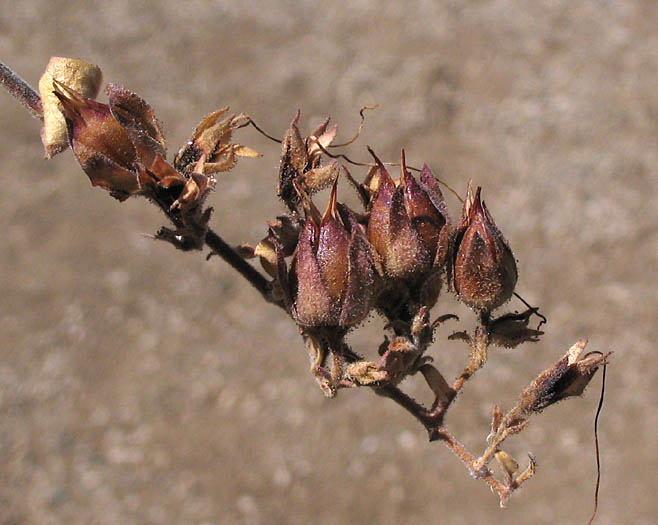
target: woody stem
255 278
21 90
437 432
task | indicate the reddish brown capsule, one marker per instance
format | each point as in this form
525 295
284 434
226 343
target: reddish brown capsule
483 269
333 278
408 224
101 145
113 143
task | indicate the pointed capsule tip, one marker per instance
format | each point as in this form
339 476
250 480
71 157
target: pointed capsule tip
332 205
476 206
295 120
404 174
380 165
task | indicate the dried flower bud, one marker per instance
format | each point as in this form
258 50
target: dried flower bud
333 278
482 266
408 225
568 377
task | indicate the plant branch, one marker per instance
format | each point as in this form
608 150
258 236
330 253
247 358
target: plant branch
21 90
228 254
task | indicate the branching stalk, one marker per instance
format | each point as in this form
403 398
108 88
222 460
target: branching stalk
345 263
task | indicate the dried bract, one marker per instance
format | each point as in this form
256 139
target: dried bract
212 139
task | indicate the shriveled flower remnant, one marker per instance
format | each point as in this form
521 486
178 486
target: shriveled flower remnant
393 256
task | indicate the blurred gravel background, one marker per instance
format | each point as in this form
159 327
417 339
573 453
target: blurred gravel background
143 385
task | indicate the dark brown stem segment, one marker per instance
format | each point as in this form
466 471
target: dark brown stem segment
255 278
21 90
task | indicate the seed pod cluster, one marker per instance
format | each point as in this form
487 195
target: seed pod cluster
404 239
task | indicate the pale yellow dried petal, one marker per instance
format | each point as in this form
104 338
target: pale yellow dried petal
575 351
82 77
507 463
245 151
267 252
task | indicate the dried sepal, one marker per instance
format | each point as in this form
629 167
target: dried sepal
365 373
400 357
78 75
266 251
511 330
496 418
101 145
333 275
162 174
212 139
137 118
318 141
568 377
196 189
528 472
294 159
443 392
319 178
286 229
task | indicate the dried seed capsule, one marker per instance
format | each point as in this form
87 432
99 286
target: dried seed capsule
333 277
566 378
482 266
408 224
101 145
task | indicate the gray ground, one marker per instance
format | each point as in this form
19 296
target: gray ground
141 384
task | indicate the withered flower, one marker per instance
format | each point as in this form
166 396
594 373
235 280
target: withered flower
568 377
212 139
482 267
300 162
110 141
408 224
333 276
